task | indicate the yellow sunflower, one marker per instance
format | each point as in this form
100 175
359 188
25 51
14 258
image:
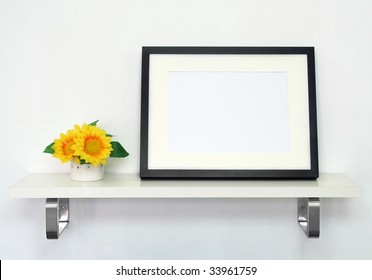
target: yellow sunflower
91 144
63 146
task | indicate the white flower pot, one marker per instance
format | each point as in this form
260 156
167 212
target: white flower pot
86 172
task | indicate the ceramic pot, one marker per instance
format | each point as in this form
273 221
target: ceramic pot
86 172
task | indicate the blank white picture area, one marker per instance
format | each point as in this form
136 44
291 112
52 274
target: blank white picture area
228 112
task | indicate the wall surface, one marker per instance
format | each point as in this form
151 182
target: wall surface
67 62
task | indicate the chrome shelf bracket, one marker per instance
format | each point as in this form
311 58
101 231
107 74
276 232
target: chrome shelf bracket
57 216
309 216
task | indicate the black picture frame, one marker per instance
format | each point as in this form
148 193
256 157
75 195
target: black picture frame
148 146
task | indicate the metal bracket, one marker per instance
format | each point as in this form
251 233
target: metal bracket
309 216
57 216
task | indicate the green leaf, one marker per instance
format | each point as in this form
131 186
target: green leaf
119 151
82 161
49 149
109 135
94 123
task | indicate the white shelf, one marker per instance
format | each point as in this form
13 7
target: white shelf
131 186
58 189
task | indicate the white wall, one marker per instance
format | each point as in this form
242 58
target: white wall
67 62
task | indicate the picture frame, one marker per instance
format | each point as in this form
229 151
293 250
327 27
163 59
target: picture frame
228 113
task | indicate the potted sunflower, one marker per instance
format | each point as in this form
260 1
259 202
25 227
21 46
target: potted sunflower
87 147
